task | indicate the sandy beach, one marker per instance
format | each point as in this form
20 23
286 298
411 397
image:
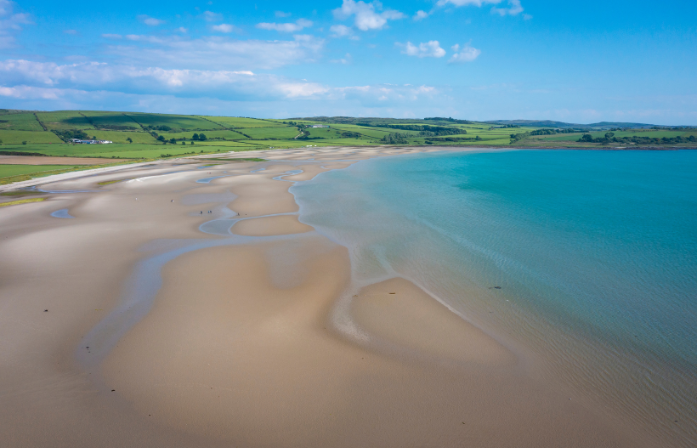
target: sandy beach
143 321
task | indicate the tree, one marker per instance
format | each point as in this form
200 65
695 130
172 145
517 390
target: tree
24 142
173 141
161 139
202 137
587 138
192 143
129 140
609 135
195 137
183 143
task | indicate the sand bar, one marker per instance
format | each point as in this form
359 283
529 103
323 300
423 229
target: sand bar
239 346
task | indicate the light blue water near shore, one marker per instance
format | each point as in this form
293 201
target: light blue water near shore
595 253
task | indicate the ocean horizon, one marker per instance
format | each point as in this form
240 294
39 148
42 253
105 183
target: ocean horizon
587 260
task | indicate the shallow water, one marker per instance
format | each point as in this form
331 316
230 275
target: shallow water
586 258
62 213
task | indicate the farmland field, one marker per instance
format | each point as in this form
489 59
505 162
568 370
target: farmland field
116 120
272 133
225 134
20 122
64 120
176 122
237 122
229 135
17 137
618 134
120 137
18 170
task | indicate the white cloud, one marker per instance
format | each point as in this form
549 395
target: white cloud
341 31
368 16
514 8
465 54
212 16
282 14
345 60
71 32
430 49
11 23
23 79
458 3
286 27
420 15
217 52
223 28
181 29
150 21
380 95
112 36
527 17
102 76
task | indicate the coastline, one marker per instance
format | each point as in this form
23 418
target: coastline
239 344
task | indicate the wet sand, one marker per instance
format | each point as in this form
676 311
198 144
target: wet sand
240 345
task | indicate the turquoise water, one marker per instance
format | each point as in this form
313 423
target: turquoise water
594 254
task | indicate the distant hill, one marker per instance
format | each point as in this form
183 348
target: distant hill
563 125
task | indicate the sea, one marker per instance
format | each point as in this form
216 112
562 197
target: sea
587 260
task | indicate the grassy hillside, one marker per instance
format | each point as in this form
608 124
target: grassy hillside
146 136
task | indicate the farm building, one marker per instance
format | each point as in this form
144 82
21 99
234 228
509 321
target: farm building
91 142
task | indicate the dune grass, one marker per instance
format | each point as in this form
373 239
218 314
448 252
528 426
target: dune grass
21 201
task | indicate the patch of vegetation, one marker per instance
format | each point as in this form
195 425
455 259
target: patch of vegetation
21 201
21 193
395 139
610 137
109 182
19 170
449 119
69 134
20 153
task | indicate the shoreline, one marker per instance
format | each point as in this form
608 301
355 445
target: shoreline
201 158
222 313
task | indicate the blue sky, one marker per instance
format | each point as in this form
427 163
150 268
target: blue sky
624 60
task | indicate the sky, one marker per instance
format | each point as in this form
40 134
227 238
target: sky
580 62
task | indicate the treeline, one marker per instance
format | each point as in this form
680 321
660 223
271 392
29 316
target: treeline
70 134
395 139
163 127
609 137
424 130
114 127
553 131
431 141
450 119
519 136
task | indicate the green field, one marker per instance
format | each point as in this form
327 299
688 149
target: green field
176 122
227 135
19 170
64 120
17 137
20 122
280 133
237 122
113 120
22 133
121 137
618 134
